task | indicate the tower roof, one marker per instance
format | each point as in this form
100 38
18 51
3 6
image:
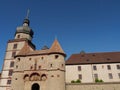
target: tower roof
26 49
56 48
25 27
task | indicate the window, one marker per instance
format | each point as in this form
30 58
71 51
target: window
80 76
15 46
110 75
62 65
118 66
10 72
119 75
8 81
51 65
94 68
56 56
18 36
96 76
79 68
108 67
13 54
12 64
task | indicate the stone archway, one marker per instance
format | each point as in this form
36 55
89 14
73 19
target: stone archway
35 86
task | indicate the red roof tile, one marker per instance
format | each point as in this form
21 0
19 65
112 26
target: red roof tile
94 58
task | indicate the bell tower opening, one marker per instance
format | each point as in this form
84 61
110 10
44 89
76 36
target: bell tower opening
35 86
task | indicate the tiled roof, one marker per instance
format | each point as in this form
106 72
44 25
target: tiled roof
26 49
55 48
94 58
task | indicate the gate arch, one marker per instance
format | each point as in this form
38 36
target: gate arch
35 86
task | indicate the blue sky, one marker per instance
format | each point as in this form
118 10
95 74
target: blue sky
89 25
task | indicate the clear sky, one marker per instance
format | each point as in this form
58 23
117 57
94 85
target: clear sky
89 25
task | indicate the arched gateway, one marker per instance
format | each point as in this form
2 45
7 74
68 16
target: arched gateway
35 86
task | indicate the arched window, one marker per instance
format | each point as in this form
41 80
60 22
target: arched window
35 86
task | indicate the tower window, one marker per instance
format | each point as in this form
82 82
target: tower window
56 56
51 65
8 81
16 66
94 68
13 54
18 59
39 67
15 46
42 58
18 36
108 67
110 75
12 64
62 65
10 72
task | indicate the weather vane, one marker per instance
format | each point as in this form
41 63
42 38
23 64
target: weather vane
28 12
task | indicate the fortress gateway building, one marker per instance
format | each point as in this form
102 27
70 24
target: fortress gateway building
25 68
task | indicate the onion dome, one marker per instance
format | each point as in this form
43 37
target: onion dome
25 28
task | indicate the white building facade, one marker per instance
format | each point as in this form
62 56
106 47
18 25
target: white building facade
91 66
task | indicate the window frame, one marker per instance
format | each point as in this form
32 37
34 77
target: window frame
15 46
10 72
8 81
13 54
80 76
94 67
79 68
108 67
110 75
96 76
12 64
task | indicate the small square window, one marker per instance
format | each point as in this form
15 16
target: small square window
13 54
18 36
94 68
79 68
110 75
118 66
10 73
108 67
96 76
51 65
80 76
12 64
119 75
15 46
8 81
56 56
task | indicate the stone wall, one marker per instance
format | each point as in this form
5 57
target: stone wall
93 86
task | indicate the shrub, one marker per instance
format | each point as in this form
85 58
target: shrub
72 81
101 80
97 80
78 81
